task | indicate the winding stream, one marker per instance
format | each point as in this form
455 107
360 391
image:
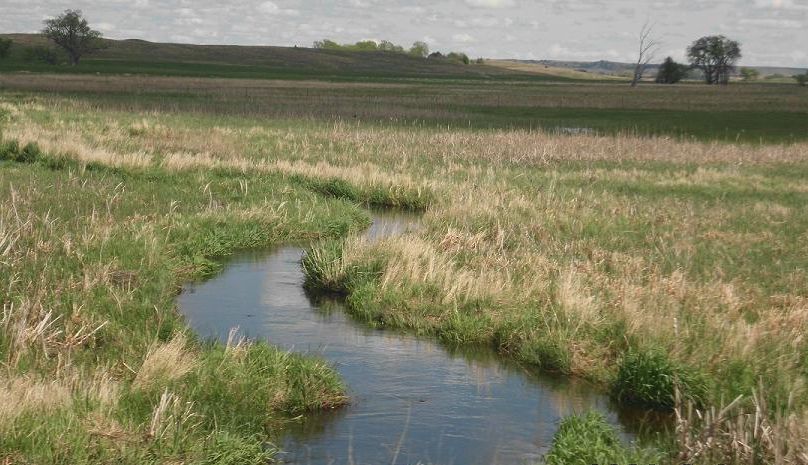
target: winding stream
412 400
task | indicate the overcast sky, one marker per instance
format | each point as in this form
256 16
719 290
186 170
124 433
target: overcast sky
772 32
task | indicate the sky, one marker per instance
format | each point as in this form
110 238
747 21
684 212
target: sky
771 32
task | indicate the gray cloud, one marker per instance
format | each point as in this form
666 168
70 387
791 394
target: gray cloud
773 32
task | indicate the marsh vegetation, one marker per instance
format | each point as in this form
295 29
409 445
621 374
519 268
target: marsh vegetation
662 262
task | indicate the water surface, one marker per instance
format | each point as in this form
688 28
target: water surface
412 400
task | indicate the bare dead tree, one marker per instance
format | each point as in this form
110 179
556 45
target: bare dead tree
649 45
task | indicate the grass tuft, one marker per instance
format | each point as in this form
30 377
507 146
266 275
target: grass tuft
649 379
588 439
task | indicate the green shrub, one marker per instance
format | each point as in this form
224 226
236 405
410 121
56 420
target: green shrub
588 439
648 379
11 151
29 154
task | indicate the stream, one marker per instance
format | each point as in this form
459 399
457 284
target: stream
412 399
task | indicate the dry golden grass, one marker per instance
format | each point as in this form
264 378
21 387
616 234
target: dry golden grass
166 362
556 236
536 68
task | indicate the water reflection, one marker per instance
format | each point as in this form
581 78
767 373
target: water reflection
413 401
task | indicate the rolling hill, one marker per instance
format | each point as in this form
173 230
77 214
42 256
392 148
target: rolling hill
143 57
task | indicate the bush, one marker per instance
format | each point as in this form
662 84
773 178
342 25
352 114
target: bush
5 47
671 72
11 151
459 57
42 54
589 439
802 79
648 379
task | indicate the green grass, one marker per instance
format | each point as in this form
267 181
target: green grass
649 379
759 114
132 237
728 126
588 439
636 263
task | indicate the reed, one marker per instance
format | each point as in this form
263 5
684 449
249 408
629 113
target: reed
571 252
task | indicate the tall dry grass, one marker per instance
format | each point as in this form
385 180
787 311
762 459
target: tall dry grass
596 244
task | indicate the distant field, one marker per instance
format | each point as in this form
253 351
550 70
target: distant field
537 68
746 113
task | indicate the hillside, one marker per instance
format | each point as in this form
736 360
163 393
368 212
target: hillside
568 72
143 57
613 68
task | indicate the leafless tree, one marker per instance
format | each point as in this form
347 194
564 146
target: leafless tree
649 45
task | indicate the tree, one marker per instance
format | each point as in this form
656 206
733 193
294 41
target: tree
647 49
388 46
715 56
365 46
750 74
5 47
459 57
802 79
419 49
671 72
71 32
327 44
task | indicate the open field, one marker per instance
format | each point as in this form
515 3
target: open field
540 69
631 258
748 113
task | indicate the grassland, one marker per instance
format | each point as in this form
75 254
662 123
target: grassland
649 261
539 69
748 113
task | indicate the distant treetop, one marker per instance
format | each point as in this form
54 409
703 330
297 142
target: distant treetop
418 49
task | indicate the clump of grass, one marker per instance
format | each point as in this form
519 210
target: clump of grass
324 267
588 439
548 353
11 151
650 379
391 196
749 430
244 388
166 362
230 449
331 266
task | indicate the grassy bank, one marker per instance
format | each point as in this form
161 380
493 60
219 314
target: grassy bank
645 264
97 367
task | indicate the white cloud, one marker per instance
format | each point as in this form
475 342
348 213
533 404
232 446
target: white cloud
272 8
463 38
580 29
490 3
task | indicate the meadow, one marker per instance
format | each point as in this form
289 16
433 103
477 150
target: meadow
651 241
752 113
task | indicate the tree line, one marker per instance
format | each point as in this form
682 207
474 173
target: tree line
715 56
418 49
